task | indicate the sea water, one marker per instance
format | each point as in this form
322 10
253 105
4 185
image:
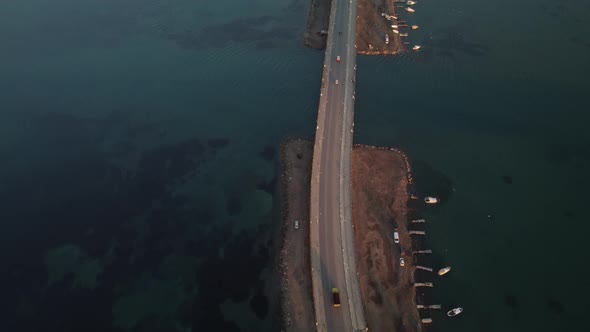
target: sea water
139 140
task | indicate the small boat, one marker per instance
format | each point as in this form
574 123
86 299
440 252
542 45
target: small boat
444 270
394 26
415 27
395 31
394 17
403 34
454 312
427 199
411 10
411 3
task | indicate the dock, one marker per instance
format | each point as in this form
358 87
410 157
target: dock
417 232
418 267
430 306
424 284
422 251
418 221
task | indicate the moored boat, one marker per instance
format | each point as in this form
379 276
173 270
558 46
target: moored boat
395 31
427 199
415 27
444 270
454 312
411 10
411 3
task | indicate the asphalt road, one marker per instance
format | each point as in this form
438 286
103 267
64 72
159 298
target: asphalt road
333 148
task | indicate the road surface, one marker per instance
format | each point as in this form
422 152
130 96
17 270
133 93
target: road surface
332 245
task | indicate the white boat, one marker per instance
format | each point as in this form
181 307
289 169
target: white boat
395 31
411 3
415 27
454 312
403 34
427 199
411 10
394 26
444 270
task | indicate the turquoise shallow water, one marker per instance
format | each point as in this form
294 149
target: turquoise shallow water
139 140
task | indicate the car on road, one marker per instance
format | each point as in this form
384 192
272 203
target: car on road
296 224
336 82
338 58
396 236
336 297
402 262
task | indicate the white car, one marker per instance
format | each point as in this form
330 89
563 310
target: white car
336 82
296 224
402 262
396 237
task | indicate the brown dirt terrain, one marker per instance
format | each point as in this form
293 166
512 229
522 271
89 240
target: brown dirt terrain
296 289
317 20
371 27
380 179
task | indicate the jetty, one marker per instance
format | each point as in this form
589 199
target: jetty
418 221
418 267
428 306
424 284
422 251
417 232
426 320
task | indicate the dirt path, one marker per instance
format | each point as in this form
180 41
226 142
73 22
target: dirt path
380 179
371 27
296 289
379 204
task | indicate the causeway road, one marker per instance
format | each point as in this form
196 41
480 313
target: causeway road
331 232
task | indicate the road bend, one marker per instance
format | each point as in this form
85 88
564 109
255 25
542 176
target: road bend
331 233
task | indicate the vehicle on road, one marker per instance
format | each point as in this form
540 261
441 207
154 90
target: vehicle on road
396 236
430 200
336 296
338 58
336 82
296 224
402 262
386 39
454 312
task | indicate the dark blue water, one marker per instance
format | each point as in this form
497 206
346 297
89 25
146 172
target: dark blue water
139 141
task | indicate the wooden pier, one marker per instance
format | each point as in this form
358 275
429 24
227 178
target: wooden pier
426 320
417 232
418 267
418 220
430 306
422 251
424 284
